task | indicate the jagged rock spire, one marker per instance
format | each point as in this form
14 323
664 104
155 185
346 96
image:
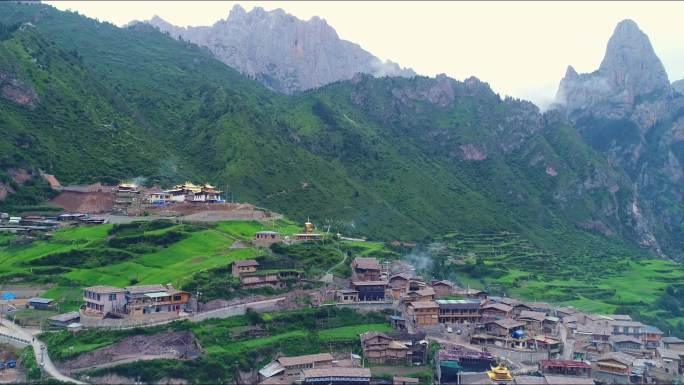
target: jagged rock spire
630 68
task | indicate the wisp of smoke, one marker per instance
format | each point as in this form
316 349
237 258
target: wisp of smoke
139 180
420 260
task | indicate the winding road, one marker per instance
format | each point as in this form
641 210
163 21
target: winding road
48 367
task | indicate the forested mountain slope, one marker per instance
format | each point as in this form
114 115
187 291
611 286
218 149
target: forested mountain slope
390 157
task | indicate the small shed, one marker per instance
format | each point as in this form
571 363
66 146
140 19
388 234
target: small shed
62 320
39 303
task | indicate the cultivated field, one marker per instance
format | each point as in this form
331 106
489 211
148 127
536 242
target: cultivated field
609 283
83 256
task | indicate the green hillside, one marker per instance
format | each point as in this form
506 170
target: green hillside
390 158
194 257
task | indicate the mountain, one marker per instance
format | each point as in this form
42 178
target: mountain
629 111
390 158
678 86
282 52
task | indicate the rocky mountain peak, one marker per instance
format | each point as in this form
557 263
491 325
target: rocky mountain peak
631 63
630 68
283 52
570 73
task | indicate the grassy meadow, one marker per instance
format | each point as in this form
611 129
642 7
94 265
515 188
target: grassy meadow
140 261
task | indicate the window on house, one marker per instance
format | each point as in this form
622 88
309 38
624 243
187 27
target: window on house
112 297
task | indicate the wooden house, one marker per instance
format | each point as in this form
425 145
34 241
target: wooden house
624 343
442 288
550 325
533 320
651 336
629 328
424 294
347 296
336 376
673 343
504 327
569 368
471 293
39 303
399 284
247 266
563 312
672 360
370 290
461 311
293 366
614 367
496 310
423 313
271 280
266 238
545 344
379 348
366 269
541 307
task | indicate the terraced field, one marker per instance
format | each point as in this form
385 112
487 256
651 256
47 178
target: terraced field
77 257
508 263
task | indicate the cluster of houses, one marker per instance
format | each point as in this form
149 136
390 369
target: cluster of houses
27 225
131 198
624 350
603 349
267 238
555 345
346 368
133 301
186 192
459 365
252 278
35 224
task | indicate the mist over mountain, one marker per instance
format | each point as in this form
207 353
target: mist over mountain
281 51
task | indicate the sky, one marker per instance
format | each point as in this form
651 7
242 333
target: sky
521 49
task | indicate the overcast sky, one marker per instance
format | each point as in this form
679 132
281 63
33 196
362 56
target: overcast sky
520 48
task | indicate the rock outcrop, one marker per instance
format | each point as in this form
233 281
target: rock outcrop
17 91
678 86
282 52
628 110
630 69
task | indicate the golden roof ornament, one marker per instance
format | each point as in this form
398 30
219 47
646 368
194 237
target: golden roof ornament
308 227
500 374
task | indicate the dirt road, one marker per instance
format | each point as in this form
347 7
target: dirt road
39 349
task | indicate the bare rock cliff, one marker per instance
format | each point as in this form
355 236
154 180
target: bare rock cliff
282 52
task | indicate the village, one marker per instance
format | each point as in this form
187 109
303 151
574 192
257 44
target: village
126 202
462 335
